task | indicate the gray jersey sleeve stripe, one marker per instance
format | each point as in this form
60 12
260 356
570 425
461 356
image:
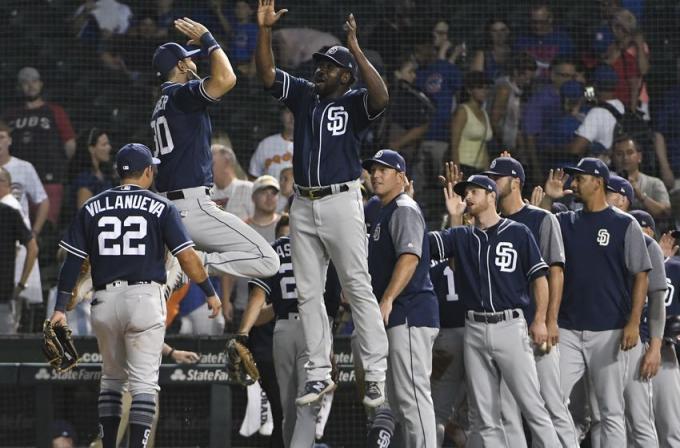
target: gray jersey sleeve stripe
72 250
181 247
259 283
204 94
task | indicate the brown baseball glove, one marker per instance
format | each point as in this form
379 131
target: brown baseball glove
58 346
241 366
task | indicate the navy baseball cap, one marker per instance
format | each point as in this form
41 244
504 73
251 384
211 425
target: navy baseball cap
339 56
167 55
644 219
558 207
618 184
134 157
477 180
591 166
506 166
386 157
62 428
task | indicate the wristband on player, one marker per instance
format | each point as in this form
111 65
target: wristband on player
209 43
207 287
63 298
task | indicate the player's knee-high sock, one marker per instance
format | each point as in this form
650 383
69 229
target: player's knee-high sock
110 408
142 412
382 429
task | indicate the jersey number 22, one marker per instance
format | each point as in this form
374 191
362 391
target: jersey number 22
135 230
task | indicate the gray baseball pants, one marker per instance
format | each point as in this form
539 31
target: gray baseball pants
230 245
548 370
333 228
597 354
290 357
448 390
667 398
129 323
503 351
637 394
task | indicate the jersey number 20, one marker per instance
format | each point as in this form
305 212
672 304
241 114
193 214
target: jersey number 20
135 230
161 136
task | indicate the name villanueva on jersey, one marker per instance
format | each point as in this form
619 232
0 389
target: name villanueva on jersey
130 201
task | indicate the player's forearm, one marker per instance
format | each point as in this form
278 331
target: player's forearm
639 294
540 289
403 272
555 287
221 71
264 57
41 214
266 315
656 313
378 96
255 303
192 265
68 275
31 256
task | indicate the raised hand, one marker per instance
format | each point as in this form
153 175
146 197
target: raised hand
351 28
266 15
554 185
453 175
668 247
192 30
454 203
537 196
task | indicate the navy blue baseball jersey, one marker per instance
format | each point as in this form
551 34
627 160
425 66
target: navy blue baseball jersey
546 231
496 265
281 290
673 280
328 131
124 232
182 130
400 229
444 281
603 251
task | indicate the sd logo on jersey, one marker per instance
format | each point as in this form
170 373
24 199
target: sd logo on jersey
337 120
603 237
506 257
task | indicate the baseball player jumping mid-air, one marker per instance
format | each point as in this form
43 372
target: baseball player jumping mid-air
124 232
327 221
182 130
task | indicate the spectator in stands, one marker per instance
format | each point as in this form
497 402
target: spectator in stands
597 130
650 193
394 31
470 126
494 57
230 192
540 113
629 55
266 200
667 135
556 153
101 19
13 230
546 42
274 153
286 182
441 41
408 114
91 167
63 435
241 33
505 106
42 134
441 80
26 185
166 13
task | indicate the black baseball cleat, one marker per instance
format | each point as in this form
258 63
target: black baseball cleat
314 390
375 394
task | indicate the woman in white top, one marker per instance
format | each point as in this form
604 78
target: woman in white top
470 126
